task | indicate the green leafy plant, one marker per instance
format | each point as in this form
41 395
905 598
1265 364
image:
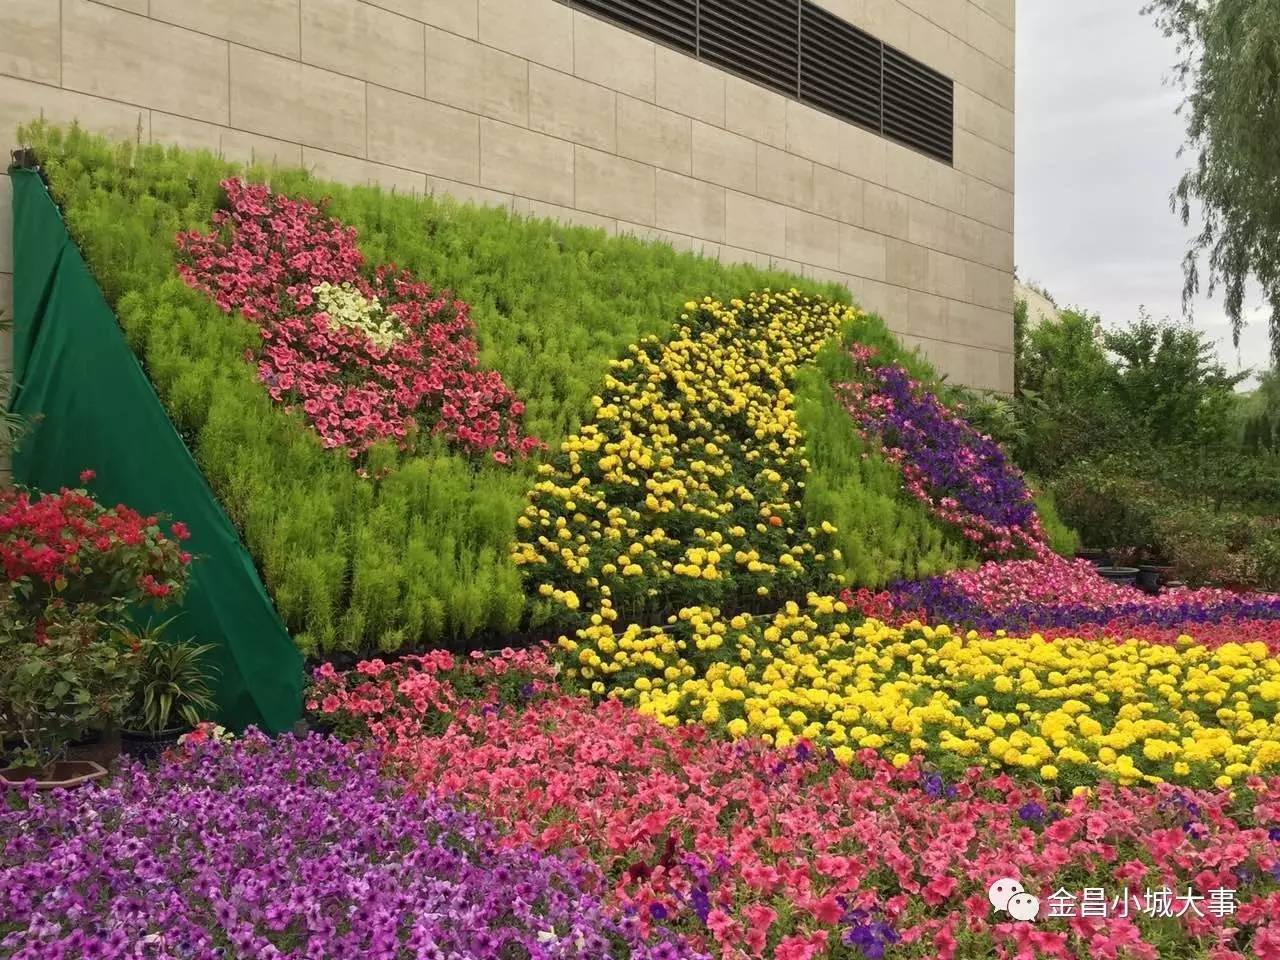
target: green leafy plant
172 688
73 571
77 679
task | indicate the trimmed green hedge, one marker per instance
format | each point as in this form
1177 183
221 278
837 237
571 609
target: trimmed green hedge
422 557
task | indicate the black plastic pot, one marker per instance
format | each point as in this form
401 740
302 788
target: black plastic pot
149 746
1152 576
1149 579
1125 576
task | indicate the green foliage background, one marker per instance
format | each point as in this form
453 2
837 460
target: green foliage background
421 557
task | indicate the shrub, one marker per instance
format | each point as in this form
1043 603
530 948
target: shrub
417 551
72 571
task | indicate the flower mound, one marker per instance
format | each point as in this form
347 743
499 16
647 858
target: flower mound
287 849
688 485
365 357
1073 710
962 476
764 853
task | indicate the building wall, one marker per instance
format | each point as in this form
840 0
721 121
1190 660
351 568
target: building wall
532 106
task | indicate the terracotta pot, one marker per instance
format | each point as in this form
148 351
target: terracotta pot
64 773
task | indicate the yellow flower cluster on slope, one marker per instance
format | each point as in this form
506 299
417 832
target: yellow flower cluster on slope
1070 710
686 485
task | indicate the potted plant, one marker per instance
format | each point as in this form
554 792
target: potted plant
171 697
70 572
56 688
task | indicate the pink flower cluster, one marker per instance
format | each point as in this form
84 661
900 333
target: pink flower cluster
1057 597
265 256
758 853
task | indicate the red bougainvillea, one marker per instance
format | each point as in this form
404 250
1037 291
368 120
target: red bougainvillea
366 356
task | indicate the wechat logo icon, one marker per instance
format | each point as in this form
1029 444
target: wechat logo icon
1007 896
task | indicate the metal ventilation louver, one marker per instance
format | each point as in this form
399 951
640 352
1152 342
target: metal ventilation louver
803 51
759 39
840 67
919 105
673 22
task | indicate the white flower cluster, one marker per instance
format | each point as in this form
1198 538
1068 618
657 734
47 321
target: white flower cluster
348 307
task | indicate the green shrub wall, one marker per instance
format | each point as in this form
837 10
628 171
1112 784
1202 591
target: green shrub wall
421 556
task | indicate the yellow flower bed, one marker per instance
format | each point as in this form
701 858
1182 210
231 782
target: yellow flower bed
1070 711
687 483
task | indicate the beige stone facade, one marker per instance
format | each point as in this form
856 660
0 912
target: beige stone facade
540 108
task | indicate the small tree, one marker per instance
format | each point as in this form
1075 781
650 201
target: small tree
1168 379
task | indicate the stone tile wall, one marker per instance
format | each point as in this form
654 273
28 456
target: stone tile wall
544 110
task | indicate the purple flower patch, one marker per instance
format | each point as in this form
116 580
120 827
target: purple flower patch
289 849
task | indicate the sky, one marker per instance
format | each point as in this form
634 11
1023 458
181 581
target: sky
1097 156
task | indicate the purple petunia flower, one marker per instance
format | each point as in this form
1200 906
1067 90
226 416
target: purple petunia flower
289 849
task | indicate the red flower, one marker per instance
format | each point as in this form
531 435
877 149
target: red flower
180 530
86 476
266 254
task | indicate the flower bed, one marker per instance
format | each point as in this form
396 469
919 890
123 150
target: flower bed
687 485
290 849
1072 710
962 476
365 356
759 852
1057 595
410 548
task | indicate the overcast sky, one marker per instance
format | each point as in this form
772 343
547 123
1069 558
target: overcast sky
1097 144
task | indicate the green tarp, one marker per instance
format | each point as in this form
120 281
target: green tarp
91 406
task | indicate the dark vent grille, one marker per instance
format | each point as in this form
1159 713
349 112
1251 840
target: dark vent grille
759 39
840 67
919 105
804 51
673 22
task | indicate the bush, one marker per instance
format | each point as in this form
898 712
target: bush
73 569
417 552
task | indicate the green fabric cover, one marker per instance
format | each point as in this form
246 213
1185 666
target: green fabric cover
91 406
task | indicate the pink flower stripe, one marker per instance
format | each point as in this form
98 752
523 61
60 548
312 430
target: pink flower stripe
265 256
760 853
